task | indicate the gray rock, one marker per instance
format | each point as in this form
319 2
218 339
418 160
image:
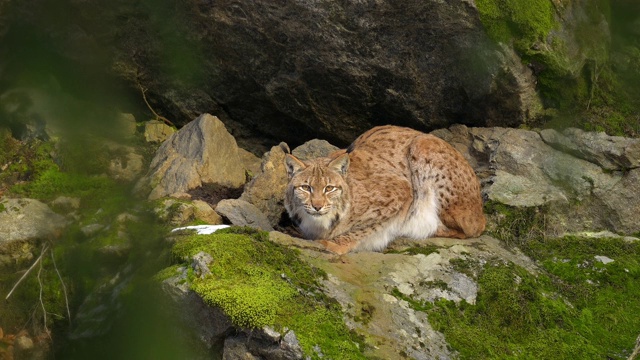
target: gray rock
314 149
266 189
66 203
363 283
24 222
205 212
202 322
202 152
525 169
243 213
262 344
200 264
99 309
608 152
333 70
249 162
603 259
91 229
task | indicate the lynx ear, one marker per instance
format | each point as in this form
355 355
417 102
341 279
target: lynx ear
293 165
340 164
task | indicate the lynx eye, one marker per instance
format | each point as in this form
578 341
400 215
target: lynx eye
306 188
330 188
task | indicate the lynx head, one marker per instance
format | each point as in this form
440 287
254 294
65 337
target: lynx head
317 195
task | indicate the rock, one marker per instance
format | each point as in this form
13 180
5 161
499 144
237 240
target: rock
24 222
249 162
91 229
614 153
202 152
266 189
206 324
200 264
425 271
520 168
66 203
156 131
23 343
99 309
126 124
358 65
179 212
262 344
125 163
314 149
243 213
205 212
603 259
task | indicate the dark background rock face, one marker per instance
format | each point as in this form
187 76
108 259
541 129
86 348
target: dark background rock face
300 70
296 70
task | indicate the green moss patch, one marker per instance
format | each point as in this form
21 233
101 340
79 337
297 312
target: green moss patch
521 20
258 283
578 308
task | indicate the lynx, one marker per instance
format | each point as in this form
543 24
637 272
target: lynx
391 182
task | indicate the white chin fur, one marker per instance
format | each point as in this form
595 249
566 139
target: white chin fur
315 227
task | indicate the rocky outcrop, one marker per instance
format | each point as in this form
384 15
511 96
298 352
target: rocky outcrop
586 181
302 70
321 69
213 329
202 152
372 288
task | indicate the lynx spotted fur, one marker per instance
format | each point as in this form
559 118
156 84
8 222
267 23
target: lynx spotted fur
391 182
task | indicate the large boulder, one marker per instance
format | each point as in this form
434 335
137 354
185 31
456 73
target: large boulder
201 153
319 69
301 70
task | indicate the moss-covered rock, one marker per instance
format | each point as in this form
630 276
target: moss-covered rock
257 283
577 307
578 51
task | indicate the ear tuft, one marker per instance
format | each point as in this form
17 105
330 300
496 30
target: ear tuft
340 164
293 165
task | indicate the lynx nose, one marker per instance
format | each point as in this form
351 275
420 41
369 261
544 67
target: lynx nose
317 207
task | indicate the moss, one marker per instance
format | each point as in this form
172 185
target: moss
470 267
24 160
257 283
515 225
577 308
525 21
167 273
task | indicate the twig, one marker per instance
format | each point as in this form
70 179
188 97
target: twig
44 310
158 117
636 350
27 272
64 287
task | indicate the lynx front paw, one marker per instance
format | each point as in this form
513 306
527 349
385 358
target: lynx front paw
335 248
